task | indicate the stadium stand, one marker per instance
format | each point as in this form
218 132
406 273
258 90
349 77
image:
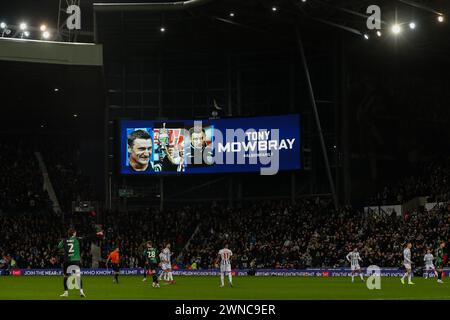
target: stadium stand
68 180
432 182
272 234
20 179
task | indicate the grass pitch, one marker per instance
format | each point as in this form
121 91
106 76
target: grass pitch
205 288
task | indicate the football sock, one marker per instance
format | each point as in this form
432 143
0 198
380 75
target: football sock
65 283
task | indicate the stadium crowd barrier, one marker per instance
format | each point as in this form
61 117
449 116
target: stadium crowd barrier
319 272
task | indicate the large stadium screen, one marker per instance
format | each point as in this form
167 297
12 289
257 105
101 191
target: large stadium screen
259 144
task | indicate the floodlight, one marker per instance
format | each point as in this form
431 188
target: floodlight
396 29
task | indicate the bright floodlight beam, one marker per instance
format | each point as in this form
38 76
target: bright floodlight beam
440 18
396 29
412 25
23 26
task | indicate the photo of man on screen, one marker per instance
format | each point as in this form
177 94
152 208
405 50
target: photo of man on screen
174 159
199 154
168 139
140 148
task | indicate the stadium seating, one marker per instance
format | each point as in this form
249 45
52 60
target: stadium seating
69 182
432 181
21 182
272 234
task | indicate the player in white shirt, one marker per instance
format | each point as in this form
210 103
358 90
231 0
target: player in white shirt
166 266
162 259
407 262
354 258
225 255
428 258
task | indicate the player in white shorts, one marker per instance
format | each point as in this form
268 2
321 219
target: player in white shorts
407 262
225 255
428 258
163 264
354 258
166 265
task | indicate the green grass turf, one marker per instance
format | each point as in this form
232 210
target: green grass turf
191 288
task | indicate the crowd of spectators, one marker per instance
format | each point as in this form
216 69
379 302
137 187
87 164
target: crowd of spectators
276 234
21 180
129 230
68 180
432 180
311 234
272 234
380 238
29 239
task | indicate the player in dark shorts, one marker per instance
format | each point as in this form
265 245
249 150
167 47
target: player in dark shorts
151 263
70 248
115 263
439 261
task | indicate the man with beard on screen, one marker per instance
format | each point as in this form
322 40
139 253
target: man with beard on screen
140 148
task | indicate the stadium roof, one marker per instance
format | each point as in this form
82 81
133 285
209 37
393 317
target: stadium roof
69 53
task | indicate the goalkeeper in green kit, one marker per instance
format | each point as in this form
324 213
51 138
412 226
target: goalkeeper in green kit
72 261
439 261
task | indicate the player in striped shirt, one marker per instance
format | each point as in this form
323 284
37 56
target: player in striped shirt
407 262
225 255
163 263
166 265
354 258
428 258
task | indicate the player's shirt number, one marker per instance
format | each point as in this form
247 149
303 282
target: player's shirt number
71 248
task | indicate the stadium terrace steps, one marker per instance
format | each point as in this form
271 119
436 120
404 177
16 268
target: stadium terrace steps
186 246
47 183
